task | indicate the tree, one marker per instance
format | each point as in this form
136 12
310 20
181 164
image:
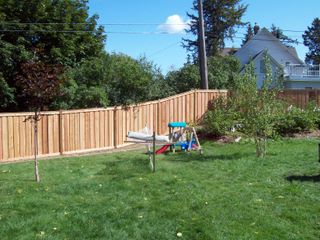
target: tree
220 19
112 79
6 94
222 74
53 32
257 109
311 39
278 33
248 35
184 79
39 83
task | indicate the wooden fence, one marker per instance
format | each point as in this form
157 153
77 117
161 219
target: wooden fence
301 98
76 131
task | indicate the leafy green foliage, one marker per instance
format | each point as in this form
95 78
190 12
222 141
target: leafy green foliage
311 39
38 83
257 108
278 33
297 120
72 38
223 73
220 19
249 34
112 79
184 79
7 97
221 118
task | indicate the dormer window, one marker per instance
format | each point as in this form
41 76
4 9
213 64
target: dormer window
262 67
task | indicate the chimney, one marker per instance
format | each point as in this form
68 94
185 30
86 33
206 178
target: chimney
256 28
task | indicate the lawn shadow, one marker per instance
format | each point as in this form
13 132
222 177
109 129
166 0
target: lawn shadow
304 178
126 167
190 157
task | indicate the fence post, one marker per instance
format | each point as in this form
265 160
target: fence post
60 133
158 117
194 105
115 127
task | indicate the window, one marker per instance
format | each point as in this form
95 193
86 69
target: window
262 67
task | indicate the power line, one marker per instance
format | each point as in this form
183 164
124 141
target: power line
120 24
121 32
163 49
46 31
99 24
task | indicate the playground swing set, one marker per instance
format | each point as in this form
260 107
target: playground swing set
180 135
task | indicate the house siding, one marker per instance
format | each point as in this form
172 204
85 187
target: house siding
263 41
302 84
280 56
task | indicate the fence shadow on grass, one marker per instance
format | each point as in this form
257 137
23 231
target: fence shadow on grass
304 178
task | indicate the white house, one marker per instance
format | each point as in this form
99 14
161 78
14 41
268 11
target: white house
297 75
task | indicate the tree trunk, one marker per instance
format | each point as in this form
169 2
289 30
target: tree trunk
261 146
36 168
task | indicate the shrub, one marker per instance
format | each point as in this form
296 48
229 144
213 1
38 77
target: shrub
296 120
220 119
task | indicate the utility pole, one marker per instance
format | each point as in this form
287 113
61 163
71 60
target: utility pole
202 49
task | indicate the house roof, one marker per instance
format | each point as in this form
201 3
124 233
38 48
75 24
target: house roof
262 52
264 40
293 51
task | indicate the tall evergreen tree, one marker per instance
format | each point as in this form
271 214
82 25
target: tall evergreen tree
248 35
278 33
48 31
311 38
220 19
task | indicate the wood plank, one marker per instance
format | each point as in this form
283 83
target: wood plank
16 137
106 128
1 140
66 132
61 133
5 139
87 132
22 132
77 131
114 126
28 147
49 131
101 130
56 133
96 130
11 137
91 127
82 131
45 134
111 127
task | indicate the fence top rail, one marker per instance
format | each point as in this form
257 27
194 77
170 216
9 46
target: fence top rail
26 114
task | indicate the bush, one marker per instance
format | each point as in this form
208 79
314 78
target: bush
296 120
220 119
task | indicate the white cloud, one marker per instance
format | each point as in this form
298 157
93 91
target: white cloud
174 24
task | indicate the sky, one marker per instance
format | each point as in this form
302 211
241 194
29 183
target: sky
135 27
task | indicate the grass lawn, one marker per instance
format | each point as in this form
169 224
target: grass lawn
225 194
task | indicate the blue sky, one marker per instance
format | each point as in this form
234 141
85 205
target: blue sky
165 49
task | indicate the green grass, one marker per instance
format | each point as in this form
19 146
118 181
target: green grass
225 194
